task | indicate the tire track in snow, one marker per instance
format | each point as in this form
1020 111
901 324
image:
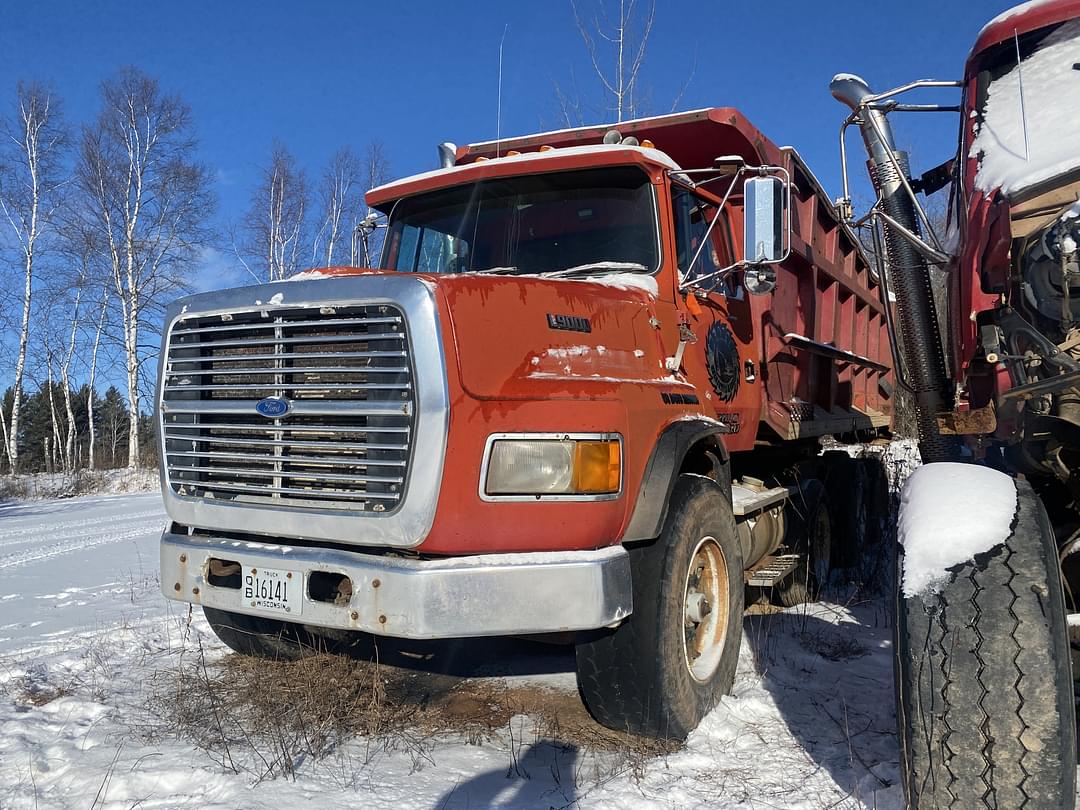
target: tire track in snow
13 537
78 543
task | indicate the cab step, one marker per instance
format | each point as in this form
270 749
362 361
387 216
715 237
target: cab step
772 570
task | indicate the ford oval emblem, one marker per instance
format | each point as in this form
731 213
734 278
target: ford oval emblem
272 407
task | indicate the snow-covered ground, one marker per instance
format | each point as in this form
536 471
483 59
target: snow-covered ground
47 486
88 646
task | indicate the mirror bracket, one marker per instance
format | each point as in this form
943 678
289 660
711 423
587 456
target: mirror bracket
760 277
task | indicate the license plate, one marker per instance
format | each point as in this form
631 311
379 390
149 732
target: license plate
273 590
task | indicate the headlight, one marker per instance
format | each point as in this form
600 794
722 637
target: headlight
542 466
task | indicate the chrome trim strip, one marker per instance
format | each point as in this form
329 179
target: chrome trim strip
482 595
303 340
406 527
534 498
228 327
299 407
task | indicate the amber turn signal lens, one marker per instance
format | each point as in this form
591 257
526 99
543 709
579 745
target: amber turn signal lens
597 467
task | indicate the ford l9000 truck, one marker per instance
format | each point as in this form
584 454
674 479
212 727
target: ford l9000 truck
583 393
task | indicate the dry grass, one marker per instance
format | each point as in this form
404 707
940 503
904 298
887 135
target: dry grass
267 717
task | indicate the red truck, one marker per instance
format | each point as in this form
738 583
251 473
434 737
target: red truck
583 393
989 573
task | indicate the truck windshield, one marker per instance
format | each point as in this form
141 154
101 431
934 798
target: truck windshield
562 223
1026 135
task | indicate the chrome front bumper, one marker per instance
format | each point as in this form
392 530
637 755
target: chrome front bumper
483 595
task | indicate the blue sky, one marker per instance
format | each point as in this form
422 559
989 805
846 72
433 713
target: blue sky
319 75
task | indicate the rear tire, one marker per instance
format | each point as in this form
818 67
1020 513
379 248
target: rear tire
845 485
259 637
983 677
811 528
661 671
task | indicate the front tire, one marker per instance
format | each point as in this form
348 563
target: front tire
259 637
983 678
661 671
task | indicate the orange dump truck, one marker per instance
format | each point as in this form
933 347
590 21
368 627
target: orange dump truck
582 393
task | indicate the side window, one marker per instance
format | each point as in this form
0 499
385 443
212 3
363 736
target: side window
434 252
426 250
692 218
405 242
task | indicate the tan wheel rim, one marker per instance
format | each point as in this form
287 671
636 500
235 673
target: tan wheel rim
705 609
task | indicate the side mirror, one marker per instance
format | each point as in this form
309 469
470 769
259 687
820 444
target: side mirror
766 235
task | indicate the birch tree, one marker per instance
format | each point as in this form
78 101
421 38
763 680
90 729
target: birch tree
376 172
275 222
615 39
82 250
150 200
340 196
32 150
103 310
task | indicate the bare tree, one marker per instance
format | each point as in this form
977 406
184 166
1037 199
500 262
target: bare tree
376 172
150 200
65 381
615 40
341 202
569 101
91 427
34 145
275 222
81 246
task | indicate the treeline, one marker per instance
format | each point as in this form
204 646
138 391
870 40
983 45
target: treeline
95 439
102 224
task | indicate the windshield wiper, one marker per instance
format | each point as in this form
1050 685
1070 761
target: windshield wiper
496 270
599 267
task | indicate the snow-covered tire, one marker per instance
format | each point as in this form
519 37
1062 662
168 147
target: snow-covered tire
811 533
645 676
257 636
983 679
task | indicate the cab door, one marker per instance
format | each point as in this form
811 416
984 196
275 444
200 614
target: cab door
721 362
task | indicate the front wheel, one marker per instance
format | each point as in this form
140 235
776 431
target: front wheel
669 663
259 637
983 677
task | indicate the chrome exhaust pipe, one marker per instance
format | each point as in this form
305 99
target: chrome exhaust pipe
909 274
447 155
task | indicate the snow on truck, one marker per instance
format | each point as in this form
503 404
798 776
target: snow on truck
583 392
987 604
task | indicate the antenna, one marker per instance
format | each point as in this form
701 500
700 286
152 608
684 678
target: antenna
498 104
1020 82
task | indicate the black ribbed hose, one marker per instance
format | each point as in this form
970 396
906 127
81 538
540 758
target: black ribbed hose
924 357
909 273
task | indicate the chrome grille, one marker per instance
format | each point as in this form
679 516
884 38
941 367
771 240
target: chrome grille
344 442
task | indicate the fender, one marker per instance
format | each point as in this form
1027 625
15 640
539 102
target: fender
663 468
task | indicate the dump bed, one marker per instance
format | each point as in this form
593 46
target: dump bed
820 338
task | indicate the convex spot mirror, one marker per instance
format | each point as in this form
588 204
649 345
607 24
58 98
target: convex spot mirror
765 236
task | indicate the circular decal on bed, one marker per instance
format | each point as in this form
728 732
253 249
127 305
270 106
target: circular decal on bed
722 361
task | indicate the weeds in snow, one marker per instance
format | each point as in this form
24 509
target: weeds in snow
266 718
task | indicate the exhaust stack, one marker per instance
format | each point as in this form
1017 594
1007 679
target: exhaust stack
922 350
447 155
